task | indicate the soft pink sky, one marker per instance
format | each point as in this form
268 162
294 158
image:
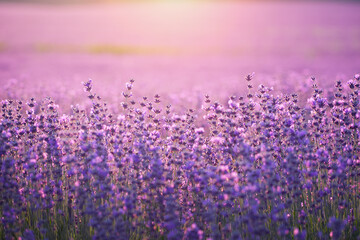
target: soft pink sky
174 45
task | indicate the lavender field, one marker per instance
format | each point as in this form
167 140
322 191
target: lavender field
146 120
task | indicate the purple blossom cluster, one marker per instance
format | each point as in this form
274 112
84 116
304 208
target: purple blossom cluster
259 166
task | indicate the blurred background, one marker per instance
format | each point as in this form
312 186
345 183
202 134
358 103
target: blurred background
171 46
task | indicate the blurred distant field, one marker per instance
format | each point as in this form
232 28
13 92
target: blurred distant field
173 46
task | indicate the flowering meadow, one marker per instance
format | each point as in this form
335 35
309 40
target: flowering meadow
258 166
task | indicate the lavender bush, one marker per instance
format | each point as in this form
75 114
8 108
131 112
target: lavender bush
261 166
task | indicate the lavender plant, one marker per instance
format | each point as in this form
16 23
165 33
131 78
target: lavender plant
261 166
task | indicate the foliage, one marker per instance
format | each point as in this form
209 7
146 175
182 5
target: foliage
258 167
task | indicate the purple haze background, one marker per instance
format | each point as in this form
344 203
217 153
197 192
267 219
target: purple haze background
169 47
